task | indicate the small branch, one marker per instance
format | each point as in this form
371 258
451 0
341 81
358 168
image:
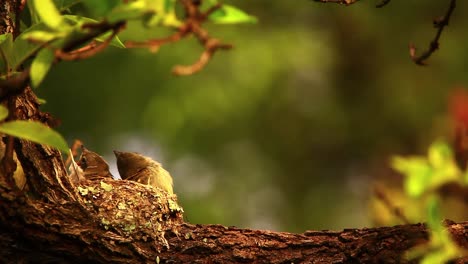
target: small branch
195 18
395 210
16 84
210 48
382 4
154 44
341 2
440 23
96 29
86 51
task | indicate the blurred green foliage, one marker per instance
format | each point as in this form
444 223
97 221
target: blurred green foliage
425 179
288 130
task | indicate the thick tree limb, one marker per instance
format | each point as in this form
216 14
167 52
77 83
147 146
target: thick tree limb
63 237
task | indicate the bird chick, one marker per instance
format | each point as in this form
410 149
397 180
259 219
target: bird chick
136 167
94 166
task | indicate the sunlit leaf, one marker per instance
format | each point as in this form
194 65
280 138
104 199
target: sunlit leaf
418 174
49 14
41 66
231 15
33 13
23 48
170 18
41 36
3 112
128 11
439 154
36 132
41 101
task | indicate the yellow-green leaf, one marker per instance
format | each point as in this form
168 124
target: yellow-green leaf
132 10
439 154
231 15
106 187
3 112
40 66
36 132
49 14
41 36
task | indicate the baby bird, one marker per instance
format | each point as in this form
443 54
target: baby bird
94 166
136 167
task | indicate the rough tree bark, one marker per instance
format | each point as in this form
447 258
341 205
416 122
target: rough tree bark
111 221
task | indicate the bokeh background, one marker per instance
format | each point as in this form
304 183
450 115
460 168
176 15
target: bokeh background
290 130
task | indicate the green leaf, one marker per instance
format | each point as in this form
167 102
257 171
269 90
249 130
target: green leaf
36 132
24 49
41 66
439 154
41 101
77 21
65 4
3 112
100 8
49 14
41 36
170 18
33 13
418 174
128 11
3 37
228 14
6 49
434 220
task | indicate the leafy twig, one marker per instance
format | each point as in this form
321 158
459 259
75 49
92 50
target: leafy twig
193 25
16 84
86 51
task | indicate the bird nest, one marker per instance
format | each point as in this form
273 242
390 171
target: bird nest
132 209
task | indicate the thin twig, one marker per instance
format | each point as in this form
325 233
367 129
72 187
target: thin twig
440 23
154 44
86 51
341 2
396 211
192 26
73 151
210 48
382 3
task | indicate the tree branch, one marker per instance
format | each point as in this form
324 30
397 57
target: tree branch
382 3
16 84
440 23
342 2
193 25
